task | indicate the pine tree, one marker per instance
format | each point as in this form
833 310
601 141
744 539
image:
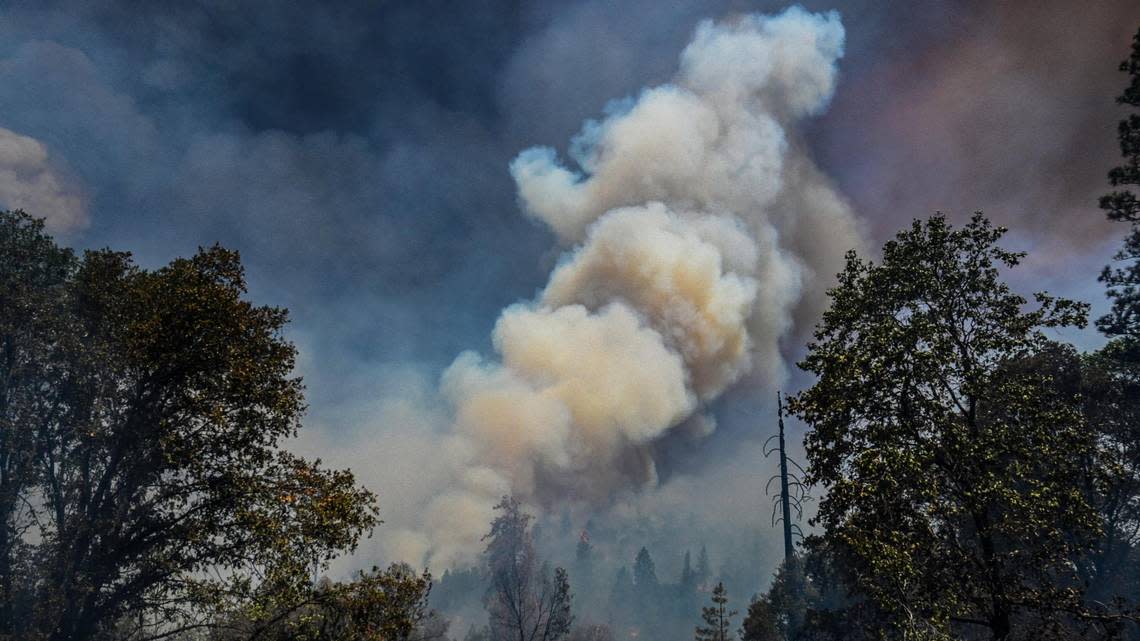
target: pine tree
584 566
583 552
717 617
1122 205
621 599
622 587
761 622
703 571
644 572
688 578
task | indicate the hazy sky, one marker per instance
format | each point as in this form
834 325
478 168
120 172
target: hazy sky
357 154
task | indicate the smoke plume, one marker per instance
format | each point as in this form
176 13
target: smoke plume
29 181
697 231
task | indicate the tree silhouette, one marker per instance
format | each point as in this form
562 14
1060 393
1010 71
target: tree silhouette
1122 205
717 617
526 600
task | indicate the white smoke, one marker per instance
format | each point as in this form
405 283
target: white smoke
30 182
699 232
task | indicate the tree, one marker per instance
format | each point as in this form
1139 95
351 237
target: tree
761 622
525 600
1122 205
949 475
1106 386
34 275
388 605
688 580
645 573
141 480
648 601
717 617
621 601
704 572
584 563
810 600
1116 368
1110 392
780 613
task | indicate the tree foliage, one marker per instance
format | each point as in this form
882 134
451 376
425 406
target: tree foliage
378 605
949 473
141 413
1107 386
526 601
717 617
704 570
1122 205
761 621
688 580
645 572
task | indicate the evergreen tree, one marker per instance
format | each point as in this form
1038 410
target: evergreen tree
622 587
1122 205
644 572
583 574
717 617
583 552
704 572
761 622
688 581
621 600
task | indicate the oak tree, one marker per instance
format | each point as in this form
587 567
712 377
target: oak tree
949 475
142 412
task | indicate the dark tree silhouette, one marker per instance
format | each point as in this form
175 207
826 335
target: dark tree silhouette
688 580
526 601
1122 204
645 572
704 571
717 617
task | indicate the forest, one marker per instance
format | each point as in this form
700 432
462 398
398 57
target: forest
977 478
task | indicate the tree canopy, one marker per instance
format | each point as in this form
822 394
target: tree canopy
141 418
949 471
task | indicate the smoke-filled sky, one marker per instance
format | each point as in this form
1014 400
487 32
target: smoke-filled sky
564 249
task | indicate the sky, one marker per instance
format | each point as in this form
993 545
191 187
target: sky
364 158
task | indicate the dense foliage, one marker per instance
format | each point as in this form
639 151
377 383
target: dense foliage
949 474
142 486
